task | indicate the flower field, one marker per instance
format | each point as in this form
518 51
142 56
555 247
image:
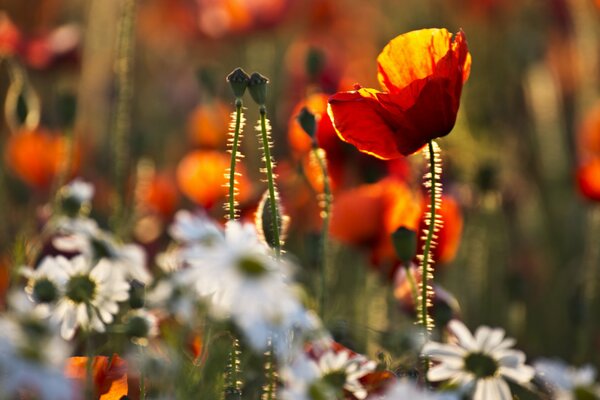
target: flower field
300 199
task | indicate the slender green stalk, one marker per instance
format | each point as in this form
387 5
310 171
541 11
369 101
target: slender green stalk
430 182
270 387
233 383
266 146
234 142
121 124
325 204
142 377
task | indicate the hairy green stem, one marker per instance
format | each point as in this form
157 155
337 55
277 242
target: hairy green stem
234 154
276 223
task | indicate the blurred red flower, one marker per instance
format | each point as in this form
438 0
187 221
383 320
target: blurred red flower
207 125
200 176
109 375
588 170
422 73
588 179
10 36
160 195
37 157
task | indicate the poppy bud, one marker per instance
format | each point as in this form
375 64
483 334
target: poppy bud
405 243
258 88
239 80
308 122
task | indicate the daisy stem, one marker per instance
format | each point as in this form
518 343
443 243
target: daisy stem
142 376
234 155
325 204
270 180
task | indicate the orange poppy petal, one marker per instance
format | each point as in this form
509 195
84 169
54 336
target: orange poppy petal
411 56
370 121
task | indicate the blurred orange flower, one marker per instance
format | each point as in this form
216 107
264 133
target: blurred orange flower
109 375
422 73
10 36
588 170
38 156
208 124
588 179
369 214
160 195
201 177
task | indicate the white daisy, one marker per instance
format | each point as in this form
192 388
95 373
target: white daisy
82 235
79 190
89 294
245 282
31 354
566 381
404 389
191 228
140 325
328 377
484 361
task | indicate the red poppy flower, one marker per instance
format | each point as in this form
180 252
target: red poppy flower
109 375
422 74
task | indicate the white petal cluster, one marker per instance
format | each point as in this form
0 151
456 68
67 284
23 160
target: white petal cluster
31 354
404 389
105 287
305 375
483 361
240 279
564 379
83 236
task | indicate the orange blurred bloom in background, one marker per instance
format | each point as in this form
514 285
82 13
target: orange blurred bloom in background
422 73
208 125
367 216
588 179
160 195
37 157
588 171
201 177
109 375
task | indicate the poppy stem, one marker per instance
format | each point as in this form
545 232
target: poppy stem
325 202
234 141
266 147
233 384
270 387
431 182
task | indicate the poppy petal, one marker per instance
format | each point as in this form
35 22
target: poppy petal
374 123
402 62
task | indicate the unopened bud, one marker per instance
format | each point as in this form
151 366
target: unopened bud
308 122
258 88
405 243
238 79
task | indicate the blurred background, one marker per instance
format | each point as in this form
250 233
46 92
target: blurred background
142 111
